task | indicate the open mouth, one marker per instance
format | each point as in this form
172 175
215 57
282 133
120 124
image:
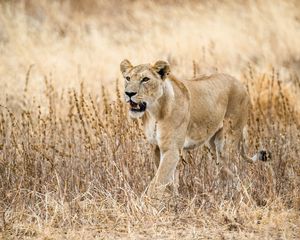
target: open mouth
137 107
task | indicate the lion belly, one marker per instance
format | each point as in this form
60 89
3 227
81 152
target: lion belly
200 132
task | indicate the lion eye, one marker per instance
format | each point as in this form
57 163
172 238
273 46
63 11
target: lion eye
145 79
128 78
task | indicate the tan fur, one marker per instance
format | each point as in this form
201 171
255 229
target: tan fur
185 114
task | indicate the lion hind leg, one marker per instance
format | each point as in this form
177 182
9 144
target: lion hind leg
217 145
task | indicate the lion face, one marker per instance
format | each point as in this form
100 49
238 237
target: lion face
143 85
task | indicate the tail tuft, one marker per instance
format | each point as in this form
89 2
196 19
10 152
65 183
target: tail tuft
264 155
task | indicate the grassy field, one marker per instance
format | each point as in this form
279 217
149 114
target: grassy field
73 165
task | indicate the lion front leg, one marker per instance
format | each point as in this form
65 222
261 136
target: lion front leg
165 174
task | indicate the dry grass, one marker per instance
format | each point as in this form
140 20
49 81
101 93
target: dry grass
74 166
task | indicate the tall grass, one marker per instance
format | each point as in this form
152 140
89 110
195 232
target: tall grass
74 165
63 168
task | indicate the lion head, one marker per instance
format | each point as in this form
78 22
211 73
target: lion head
143 85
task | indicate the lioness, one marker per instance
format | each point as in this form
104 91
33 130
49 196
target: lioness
180 115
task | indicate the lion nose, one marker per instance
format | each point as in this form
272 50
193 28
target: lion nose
130 94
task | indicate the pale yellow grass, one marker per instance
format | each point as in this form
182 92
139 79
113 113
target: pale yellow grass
73 166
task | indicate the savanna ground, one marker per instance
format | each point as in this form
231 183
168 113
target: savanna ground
74 166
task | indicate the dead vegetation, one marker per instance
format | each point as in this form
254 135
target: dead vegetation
74 166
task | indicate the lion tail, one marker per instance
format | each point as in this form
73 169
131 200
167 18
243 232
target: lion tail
261 155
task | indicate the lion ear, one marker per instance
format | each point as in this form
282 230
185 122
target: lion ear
125 65
162 68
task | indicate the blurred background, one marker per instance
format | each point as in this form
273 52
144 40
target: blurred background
73 41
